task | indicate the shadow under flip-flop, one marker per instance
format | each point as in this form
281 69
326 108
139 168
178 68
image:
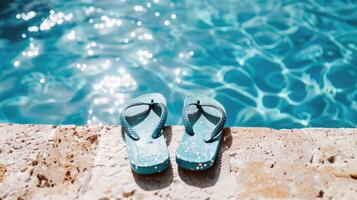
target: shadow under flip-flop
154 181
211 176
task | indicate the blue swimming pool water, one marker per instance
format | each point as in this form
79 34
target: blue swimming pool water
280 64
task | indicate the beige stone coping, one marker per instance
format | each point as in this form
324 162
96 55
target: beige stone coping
90 162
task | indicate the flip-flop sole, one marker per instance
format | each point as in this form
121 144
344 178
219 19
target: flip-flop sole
193 152
146 155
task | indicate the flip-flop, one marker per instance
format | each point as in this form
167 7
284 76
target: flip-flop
204 120
143 120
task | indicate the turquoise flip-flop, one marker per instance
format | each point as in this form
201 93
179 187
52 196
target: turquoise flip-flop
143 120
204 120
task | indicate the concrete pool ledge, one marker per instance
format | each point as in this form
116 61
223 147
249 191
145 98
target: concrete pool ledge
90 162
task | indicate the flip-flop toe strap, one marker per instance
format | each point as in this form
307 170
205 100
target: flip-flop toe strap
218 128
131 132
163 117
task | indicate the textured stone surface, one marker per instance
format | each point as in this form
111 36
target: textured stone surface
70 162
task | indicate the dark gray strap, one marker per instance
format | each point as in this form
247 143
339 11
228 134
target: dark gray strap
129 130
216 131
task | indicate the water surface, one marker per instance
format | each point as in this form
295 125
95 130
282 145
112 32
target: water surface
280 64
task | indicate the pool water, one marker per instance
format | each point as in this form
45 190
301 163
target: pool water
280 64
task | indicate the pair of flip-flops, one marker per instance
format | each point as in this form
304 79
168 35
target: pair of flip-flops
143 120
